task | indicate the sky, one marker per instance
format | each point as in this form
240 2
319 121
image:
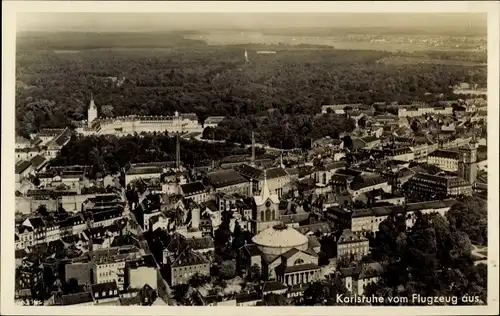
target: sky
140 22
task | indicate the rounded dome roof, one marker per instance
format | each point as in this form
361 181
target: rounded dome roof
280 236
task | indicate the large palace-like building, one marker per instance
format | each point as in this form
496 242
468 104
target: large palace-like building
125 125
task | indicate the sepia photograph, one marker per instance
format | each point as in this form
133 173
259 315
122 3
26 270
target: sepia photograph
166 157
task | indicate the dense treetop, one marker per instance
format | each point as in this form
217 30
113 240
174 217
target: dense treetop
54 83
110 153
433 258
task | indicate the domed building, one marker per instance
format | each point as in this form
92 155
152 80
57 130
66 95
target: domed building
283 254
279 239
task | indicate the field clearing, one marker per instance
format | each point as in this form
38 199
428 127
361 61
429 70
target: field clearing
391 44
395 60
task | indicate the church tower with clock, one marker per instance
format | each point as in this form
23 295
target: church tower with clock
265 209
467 161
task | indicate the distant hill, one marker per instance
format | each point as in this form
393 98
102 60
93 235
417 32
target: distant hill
84 40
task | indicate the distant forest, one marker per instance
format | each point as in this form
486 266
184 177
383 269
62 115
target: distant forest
165 73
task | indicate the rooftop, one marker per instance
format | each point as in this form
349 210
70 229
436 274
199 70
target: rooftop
410 207
349 237
252 250
193 188
280 236
76 298
200 243
448 154
102 216
369 139
144 261
270 286
301 267
361 182
22 166
144 170
250 172
188 258
63 138
104 290
440 180
276 173
38 161
225 178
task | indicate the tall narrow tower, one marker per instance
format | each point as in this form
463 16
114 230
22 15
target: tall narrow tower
253 150
92 111
177 152
467 161
246 56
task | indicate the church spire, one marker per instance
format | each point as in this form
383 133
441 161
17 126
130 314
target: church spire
265 193
91 111
92 103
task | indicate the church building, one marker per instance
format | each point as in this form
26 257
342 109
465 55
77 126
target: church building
282 254
265 208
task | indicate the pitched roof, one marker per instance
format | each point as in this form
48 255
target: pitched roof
102 216
20 253
220 179
349 237
247 297
316 227
442 181
301 267
35 141
192 188
410 207
63 138
104 290
144 261
369 139
37 222
250 171
21 166
50 132
398 151
38 161
71 221
448 154
252 250
144 170
331 166
101 198
200 243
276 173
188 258
77 298
270 286
361 182
290 253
